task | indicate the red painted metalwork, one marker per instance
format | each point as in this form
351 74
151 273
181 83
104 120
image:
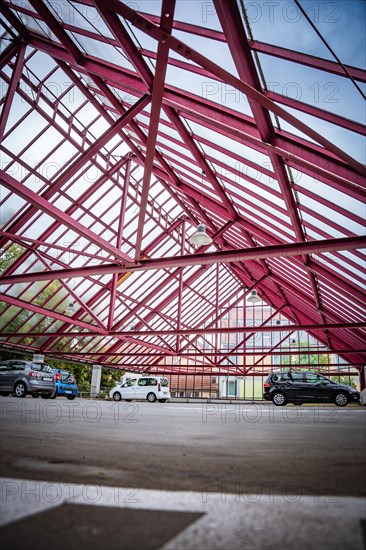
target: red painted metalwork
246 254
14 81
104 146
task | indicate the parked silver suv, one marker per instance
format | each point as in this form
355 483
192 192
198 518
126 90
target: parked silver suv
22 377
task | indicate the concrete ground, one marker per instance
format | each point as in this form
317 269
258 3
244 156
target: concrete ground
182 475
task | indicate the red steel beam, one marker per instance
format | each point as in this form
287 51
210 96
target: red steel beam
189 53
49 313
236 38
256 45
53 24
208 353
23 240
56 50
269 49
136 59
124 41
119 240
231 23
292 148
40 203
14 80
326 165
308 60
201 161
81 160
314 62
14 20
167 11
157 85
333 118
10 51
208 258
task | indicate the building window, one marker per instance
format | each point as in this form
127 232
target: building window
231 389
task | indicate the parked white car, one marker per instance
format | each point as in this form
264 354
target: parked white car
152 388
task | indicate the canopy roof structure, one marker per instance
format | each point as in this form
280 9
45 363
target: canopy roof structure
124 126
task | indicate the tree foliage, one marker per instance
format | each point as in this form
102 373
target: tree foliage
9 256
14 318
305 357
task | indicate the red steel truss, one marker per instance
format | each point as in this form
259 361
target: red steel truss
122 130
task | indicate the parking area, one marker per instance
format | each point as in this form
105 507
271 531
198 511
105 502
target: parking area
234 466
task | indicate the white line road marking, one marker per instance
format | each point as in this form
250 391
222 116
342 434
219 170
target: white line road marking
278 410
184 408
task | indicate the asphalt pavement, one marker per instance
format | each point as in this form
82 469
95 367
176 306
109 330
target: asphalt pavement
182 475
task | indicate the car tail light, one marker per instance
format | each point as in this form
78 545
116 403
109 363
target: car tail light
58 376
34 374
159 387
267 385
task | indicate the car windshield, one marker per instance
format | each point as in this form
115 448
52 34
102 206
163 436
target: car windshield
327 380
129 383
66 376
41 367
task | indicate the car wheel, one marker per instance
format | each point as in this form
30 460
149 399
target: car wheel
340 399
4 393
151 397
279 398
20 390
45 395
116 396
71 397
162 400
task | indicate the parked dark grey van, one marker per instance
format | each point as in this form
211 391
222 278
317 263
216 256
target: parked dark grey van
307 387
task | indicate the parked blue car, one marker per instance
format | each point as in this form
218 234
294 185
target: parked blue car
65 384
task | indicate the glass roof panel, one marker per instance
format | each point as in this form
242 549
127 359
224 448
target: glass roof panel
214 158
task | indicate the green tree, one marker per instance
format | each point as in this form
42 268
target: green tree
10 255
110 377
305 357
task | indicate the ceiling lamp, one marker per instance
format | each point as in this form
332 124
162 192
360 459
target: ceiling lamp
253 297
200 237
70 308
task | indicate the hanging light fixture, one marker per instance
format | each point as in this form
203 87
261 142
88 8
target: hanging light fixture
70 308
71 305
253 297
200 236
